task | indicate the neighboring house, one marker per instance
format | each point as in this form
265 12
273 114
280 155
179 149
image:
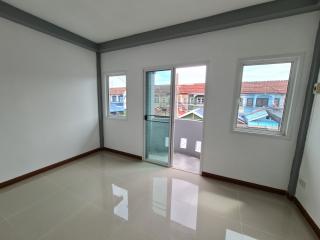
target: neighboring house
188 97
196 114
117 100
161 100
262 103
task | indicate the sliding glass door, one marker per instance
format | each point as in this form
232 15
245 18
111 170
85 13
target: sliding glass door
158 104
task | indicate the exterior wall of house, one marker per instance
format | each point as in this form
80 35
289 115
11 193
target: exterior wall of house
117 100
247 107
271 99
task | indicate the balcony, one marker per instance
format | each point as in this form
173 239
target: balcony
187 145
187 139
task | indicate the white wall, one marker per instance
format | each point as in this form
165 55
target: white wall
259 159
48 100
309 172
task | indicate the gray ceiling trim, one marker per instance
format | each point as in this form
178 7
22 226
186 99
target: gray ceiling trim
16 15
243 16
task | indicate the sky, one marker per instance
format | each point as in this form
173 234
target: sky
117 81
266 72
189 75
186 75
162 77
197 74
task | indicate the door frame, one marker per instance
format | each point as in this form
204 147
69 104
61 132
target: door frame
173 68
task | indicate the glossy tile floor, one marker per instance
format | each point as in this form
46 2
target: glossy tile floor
186 163
107 196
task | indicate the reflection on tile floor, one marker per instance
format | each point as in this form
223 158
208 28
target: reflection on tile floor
107 196
186 163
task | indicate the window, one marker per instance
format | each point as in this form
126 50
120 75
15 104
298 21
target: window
241 102
113 98
249 102
117 92
200 100
276 102
262 102
263 84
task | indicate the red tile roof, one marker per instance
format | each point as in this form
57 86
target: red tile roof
199 88
189 89
117 91
280 87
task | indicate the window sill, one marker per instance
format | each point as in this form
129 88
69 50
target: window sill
117 118
261 132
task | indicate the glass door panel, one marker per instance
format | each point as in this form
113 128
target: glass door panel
158 116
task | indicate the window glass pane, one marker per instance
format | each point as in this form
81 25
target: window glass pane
249 102
264 89
190 92
117 96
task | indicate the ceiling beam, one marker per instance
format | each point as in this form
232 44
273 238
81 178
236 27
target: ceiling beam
235 18
16 15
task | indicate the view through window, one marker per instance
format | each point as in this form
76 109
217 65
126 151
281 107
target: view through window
190 84
117 96
190 92
264 89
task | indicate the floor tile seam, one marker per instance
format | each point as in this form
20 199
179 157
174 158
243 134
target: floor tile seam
44 235
242 223
239 209
68 185
38 202
86 166
264 231
76 195
3 220
12 226
283 202
30 180
34 203
96 205
60 188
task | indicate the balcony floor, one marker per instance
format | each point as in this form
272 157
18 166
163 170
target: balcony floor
186 163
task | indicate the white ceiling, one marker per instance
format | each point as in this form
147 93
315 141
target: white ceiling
102 20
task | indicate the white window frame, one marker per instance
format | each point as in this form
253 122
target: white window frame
296 61
107 97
